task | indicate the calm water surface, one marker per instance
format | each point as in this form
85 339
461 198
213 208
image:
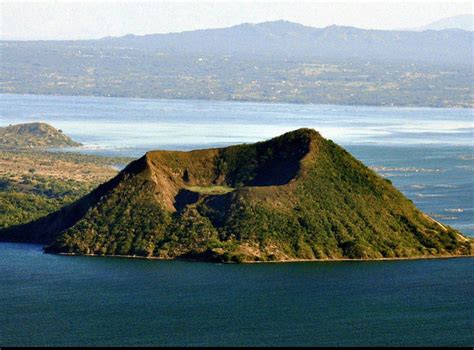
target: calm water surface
427 153
127 126
56 300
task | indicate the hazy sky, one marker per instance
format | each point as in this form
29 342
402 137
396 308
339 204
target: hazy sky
94 19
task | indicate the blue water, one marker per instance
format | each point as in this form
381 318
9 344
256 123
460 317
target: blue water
428 153
127 126
56 300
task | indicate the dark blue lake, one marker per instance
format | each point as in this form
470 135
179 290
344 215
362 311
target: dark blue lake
427 153
58 300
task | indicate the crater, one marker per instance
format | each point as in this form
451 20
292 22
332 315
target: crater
185 177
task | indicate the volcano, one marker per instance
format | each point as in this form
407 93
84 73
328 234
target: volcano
294 197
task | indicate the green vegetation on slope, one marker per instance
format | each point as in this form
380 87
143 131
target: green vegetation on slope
33 197
343 210
296 197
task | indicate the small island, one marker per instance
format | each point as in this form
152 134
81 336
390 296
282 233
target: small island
296 197
34 135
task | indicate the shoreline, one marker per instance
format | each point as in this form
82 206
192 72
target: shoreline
424 257
238 101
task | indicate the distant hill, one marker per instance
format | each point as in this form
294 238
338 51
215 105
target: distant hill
293 40
294 197
33 135
273 61
463 22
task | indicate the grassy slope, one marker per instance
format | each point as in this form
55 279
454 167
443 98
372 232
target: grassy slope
341 210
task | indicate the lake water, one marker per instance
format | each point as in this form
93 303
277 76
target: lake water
427 153
58 300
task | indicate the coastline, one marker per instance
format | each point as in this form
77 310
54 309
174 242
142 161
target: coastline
423 257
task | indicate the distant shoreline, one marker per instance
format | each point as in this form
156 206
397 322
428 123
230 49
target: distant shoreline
238 101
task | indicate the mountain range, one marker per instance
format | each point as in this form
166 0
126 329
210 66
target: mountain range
276 61
292 40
